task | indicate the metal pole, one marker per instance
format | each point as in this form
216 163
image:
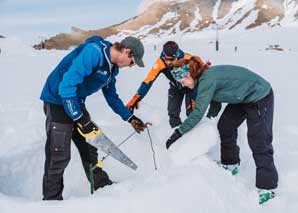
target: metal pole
153 152
217 42
91 178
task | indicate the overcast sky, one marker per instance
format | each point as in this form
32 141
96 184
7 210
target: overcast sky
42 18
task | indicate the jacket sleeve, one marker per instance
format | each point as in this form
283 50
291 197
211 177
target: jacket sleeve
186 56
114 101
205 94
151 77
81 67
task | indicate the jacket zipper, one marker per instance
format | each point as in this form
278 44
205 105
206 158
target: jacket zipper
109 63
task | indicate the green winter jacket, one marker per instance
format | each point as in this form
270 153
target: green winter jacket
225 84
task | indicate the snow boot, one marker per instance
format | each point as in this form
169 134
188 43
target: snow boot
265 195
232 168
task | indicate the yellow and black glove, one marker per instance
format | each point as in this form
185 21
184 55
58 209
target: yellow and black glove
134 103
87 128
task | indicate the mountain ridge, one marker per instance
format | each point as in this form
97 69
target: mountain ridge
169 17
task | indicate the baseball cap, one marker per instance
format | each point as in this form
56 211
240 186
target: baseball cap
136 47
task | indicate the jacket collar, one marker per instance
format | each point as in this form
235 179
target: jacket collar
113 68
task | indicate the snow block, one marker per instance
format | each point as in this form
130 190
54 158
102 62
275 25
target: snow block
195 143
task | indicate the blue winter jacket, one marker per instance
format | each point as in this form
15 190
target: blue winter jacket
81 73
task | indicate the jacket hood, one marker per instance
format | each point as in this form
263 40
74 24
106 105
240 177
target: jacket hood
94 39
98 40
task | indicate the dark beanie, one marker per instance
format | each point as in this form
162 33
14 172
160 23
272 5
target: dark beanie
171 49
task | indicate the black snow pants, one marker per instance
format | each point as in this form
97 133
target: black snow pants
259 118
175 98
60 130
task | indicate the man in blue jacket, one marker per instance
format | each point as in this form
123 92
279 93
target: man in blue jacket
90 67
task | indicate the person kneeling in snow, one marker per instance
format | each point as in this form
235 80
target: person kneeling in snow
90 67
249 98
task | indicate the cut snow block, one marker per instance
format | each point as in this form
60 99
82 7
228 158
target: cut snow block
195 143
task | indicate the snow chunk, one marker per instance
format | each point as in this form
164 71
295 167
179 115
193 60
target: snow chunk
195 143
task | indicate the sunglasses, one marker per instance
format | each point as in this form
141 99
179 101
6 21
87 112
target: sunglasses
169 58
132 59
132 62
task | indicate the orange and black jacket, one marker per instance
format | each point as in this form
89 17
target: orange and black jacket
157 68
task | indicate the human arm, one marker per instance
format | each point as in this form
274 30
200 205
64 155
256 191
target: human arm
113 100
205 92
81 67
146 85
118 107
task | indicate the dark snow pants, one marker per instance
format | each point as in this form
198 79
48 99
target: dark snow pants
259 118
175 98
60 130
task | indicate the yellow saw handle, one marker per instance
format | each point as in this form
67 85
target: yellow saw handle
100 164
90 135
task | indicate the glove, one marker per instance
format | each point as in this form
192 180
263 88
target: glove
191 106
214 109
87 128
137 124
211 115
134 103
175 136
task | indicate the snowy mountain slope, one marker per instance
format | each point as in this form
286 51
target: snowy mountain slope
184 182
164 18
